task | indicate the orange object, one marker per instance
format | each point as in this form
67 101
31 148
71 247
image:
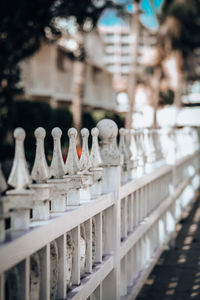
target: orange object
79 150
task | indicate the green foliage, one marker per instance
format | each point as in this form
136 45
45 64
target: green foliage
166 98
188 15
30 115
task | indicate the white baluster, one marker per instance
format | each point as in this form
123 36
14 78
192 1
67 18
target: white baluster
40 175
130 160
72 167
140 153
85 165
134 153
95 159
20 199
112 161
57 171
124 152
57 168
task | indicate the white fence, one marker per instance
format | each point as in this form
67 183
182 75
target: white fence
97 226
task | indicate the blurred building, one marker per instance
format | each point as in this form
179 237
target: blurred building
48 75
119 42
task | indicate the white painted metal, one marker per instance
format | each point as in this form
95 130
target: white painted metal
104 248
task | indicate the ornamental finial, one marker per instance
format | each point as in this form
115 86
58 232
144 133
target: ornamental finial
19 176
122 145
95 156
72 165
40 171
57 168
110 153
85 163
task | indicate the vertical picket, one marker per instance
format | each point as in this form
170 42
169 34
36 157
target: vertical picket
76 256
62 288
88 231
98 256
44 255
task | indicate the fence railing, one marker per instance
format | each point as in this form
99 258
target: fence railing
93 228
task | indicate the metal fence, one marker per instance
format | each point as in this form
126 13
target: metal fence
93 228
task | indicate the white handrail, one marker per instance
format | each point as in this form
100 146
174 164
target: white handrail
109 219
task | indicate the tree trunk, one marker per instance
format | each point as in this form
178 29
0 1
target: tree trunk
132 82
78 84
156 94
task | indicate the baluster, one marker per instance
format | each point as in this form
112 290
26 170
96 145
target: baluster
20 199
96 161
76 270
135 152
88 230
123 285
98 234
112 161
72 168
140 158
57 171
124 152
149 151
85 165
130 160
40 175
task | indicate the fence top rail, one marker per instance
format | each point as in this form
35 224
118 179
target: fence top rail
136 184
44 232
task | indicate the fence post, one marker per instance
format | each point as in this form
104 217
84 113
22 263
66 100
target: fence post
112 162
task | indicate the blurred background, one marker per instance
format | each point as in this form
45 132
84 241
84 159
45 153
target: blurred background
73 62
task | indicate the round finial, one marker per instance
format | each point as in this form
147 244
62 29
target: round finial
72 132
56 132
95 131
122 131
84 132
40 133
19 134
107 129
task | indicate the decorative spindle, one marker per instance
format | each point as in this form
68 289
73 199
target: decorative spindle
40 174
95 157
110 154
135 152
140 154
149 151
127 143
124 152
85 163
96 162
20 199
72 165
57 171
57 168
129 153
19 177
40 171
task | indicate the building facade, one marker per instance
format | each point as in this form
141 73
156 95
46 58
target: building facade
119 42
49 75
